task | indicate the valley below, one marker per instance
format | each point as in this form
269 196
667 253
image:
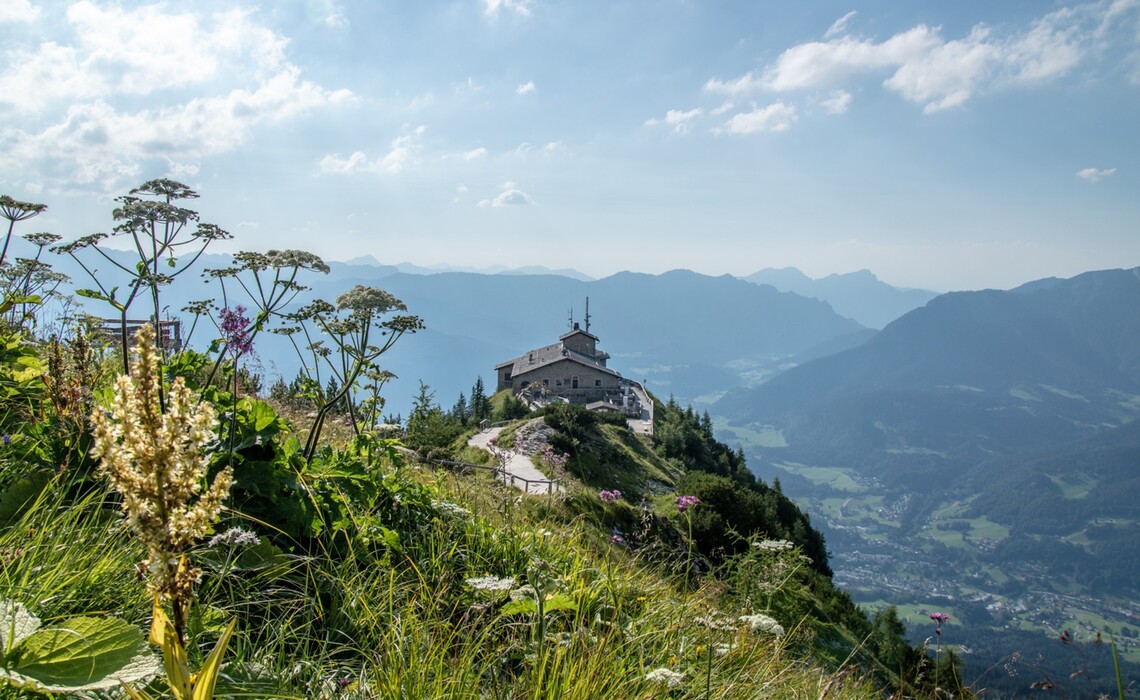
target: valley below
892 546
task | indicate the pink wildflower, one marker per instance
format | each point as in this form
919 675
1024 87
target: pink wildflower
609 496
686 502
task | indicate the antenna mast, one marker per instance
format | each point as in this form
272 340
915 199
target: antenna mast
587 314
570 314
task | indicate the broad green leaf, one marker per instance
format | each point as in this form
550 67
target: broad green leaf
559 601
84 653
16 625
262 414
522 606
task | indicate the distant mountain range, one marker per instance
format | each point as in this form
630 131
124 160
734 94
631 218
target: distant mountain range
856 295
982 451
968 375
686 334
413 269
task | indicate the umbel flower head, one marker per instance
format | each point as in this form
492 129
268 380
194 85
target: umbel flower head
157 462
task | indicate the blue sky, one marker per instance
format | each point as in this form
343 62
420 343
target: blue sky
942 145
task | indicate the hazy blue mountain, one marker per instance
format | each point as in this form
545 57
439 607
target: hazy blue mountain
983 447
858 295
970 373
686 334
413 269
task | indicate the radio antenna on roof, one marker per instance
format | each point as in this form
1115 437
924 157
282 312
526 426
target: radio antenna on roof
587 314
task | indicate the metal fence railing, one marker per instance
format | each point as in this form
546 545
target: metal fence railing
505 476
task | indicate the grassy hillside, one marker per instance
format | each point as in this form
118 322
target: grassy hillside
400 580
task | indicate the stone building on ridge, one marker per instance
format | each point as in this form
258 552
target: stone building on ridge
573 368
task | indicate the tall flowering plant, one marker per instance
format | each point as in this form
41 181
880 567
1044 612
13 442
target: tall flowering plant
938 619
685 505
157 460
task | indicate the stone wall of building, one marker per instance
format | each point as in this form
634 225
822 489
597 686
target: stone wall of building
575 381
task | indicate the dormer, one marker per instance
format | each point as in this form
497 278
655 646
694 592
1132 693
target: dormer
581 342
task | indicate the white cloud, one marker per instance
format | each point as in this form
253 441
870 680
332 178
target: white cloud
180 171
680 121
743 85
139 52
492 8
333 163
475 154
526 148
775 117
18 11
461 188
721 109
838 103
840 25
938 73
103 144
210 81
525 88
1095 175
511 196
400 155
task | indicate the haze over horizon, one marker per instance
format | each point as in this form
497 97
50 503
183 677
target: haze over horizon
943 147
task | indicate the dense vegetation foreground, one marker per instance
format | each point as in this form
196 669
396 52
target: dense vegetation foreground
166 531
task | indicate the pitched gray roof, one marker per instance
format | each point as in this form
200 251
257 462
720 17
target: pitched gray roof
540 357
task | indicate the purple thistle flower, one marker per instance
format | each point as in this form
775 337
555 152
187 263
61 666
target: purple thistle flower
609 496
235 330
686 502
618 540
939 617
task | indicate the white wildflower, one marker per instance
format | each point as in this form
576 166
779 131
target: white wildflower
491 583
663 675
762 623
449 508
234 537
773 545
716 621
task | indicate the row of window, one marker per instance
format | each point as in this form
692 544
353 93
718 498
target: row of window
557 382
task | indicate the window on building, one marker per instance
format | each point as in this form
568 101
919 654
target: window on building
557 382
546 382
597 382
